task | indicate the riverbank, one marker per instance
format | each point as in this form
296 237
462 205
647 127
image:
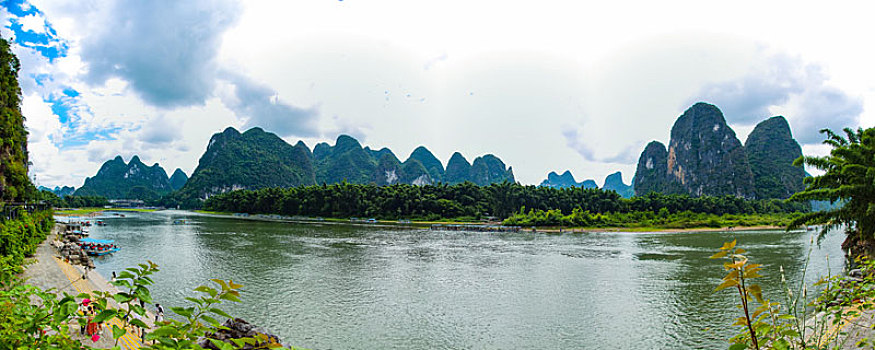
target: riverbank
426 224
94 210
420 224
657 229
47 270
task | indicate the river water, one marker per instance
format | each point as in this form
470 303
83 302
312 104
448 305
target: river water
357 287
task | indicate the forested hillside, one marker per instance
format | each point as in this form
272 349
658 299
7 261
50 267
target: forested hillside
14 183
133 180
258 159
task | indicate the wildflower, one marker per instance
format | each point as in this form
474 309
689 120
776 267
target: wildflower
86 301
95 338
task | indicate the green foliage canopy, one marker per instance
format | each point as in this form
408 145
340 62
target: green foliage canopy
849 176
442 201
14 183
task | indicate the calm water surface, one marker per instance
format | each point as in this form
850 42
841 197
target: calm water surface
348 287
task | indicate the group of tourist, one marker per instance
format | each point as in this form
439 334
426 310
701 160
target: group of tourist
92 329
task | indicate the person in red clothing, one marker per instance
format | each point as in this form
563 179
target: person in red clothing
92 328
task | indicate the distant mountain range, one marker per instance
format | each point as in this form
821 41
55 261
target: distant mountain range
133 180
566 180
704 157
178 179
613 182
59 191
258 159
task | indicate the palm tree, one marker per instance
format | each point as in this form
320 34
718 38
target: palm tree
849 178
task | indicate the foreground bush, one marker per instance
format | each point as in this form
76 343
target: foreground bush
816 320
19 238
50 322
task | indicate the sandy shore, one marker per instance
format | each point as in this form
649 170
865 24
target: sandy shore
48 271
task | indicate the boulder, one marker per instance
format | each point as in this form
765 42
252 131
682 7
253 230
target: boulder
238 328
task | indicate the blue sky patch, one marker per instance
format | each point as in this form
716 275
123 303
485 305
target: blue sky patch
48 44
83 139
41 79
65 104
71 93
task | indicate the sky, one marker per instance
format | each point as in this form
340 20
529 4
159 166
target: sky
546 86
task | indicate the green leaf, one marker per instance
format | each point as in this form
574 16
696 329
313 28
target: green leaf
210 320
230 297
143 294
118 332
781 344
221 283
219 312
204 289
756 291
104 315
718 255
139 323
217 343
738 346
137 309
182 311
196 301
164 331
121 283
726 284
122 298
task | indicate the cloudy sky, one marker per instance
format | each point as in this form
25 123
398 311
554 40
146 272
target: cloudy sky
545 85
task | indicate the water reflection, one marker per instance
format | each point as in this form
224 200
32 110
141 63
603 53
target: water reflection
330 286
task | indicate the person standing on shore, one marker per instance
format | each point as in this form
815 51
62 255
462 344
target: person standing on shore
159 313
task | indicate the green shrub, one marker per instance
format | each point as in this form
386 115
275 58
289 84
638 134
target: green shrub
19 238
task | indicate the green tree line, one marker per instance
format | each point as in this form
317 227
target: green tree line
468 200
72 201
647 219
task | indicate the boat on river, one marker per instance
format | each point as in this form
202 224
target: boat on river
98 247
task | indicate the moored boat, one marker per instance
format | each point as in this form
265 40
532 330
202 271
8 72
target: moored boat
98 247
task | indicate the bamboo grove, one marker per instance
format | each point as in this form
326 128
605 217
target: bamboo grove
467 200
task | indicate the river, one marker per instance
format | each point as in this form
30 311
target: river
323 286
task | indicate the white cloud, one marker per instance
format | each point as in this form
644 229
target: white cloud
561 85
783 83
259 105
34 22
